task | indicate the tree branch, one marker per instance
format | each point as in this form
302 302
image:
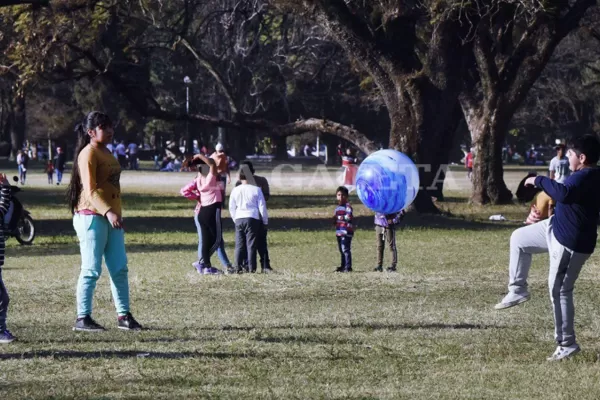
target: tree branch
350 134
488 70
352 34
216 75
147 106
571 20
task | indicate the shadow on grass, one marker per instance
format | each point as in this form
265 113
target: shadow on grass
67 354
73 249
53 227
55 198
367 326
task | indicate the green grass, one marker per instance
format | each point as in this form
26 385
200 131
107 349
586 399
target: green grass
428 331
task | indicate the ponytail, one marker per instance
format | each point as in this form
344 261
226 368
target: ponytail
92 121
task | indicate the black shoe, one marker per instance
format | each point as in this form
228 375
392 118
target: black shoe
128 323
267 270
378 269
87 324
230 270
343 269
391 269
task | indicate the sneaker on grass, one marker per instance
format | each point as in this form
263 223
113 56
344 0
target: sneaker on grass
563 352
511 300
128 323
87 324
6 337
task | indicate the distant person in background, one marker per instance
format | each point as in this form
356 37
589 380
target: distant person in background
559 165
469 164
157 158
350 169
339 153
306 150
22 162
224 175
122 154
132 149
49 170
168 165
59 164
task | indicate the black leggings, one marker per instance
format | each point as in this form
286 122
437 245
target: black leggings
210 224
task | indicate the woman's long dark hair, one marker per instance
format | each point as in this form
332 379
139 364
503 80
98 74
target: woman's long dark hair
93 120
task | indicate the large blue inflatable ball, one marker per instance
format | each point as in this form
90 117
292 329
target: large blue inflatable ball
387 181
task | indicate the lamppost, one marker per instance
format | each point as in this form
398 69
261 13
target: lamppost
189 147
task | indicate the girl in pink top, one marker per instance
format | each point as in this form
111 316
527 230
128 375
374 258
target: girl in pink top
191 192
208 212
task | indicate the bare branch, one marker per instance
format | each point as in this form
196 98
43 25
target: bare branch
215 74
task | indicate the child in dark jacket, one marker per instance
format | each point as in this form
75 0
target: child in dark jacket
5 335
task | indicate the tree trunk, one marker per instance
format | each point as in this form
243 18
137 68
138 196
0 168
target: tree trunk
423 128
17 123
281 148
488 171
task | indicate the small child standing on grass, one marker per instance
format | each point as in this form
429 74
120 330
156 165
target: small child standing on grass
385 228
5 335
50 171
344 231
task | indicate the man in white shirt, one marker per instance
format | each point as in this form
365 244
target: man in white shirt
248 208
132 149
559 165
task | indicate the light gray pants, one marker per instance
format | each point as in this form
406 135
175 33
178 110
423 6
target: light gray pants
565 265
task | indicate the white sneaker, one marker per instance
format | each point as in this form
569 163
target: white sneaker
511 300
563 352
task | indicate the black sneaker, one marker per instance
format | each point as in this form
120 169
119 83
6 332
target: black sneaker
343 269
391 269
128 323
267 270
87 324
229 270
378 269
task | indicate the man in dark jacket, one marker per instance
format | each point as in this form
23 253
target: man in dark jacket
59 164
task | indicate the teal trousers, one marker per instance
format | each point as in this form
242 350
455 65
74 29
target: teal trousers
97 239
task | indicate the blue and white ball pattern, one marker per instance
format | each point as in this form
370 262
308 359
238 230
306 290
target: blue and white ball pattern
387 181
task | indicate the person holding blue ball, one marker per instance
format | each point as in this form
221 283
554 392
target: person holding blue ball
385 230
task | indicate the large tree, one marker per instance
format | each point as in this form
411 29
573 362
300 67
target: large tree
416 63
143 49
511 44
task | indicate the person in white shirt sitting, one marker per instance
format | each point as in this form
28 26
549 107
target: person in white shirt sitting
247 207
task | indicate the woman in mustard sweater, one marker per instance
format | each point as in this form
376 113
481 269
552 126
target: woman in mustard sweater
95 201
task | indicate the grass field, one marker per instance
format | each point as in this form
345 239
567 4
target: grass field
428 331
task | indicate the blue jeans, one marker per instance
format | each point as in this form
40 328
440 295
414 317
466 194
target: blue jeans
97 238
220 251
22 174
344 244
59 175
